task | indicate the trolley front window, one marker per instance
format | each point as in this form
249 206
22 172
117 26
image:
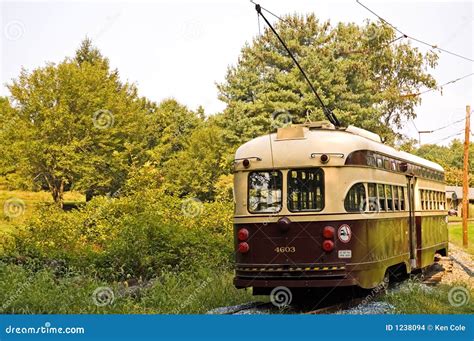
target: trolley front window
265 192
305 189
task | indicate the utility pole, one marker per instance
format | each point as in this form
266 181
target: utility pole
465 179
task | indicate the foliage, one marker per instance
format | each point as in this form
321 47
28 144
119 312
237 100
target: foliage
195 170
157 225
359 71
23 291
224 187
146 176
172 125
416 298
10 179
140 235
156 254
450 158
456 234
75 124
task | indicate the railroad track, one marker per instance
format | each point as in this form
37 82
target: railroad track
431 276
434 273
337 307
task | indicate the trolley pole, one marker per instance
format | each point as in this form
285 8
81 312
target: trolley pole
465 179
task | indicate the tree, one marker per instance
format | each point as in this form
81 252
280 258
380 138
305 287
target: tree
363 73
9 160
76 124
450 158
197 168
172 124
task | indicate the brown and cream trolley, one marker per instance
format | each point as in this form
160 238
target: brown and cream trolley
318 206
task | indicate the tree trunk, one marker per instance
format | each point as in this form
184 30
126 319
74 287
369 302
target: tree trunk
89 195
57 190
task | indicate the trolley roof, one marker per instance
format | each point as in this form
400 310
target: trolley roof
296 146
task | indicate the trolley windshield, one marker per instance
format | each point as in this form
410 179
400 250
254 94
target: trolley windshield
265 189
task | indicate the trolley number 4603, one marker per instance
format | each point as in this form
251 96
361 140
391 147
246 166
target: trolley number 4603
287 249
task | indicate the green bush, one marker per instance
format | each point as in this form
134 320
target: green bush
138 236
157 253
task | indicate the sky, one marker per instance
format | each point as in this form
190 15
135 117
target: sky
182 48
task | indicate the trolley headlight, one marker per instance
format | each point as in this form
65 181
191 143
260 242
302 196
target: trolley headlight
324 158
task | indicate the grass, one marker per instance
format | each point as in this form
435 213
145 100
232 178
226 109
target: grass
454 219
31 201
415 298
48 290
455 235
44 292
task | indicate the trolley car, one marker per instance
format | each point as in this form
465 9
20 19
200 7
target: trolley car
319 206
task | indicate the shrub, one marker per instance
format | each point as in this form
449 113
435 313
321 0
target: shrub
141 235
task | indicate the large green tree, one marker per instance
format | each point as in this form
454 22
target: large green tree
9 160
361 72
172 125
450 158
76 124
197 168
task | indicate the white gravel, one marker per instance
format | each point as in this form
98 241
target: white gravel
235 309
463 267
369 308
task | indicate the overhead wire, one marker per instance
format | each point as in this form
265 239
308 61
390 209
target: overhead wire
440 86
439 128
448 125
432 46
343 52
445 138
273 14
403 35
327 112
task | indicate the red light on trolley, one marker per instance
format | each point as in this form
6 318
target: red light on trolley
243 234
328 232
328 245
244 247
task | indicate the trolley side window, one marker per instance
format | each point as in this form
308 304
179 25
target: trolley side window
305 189
422 199
265 192
396 205
372 189
401 192
355 199
381 192
389 193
